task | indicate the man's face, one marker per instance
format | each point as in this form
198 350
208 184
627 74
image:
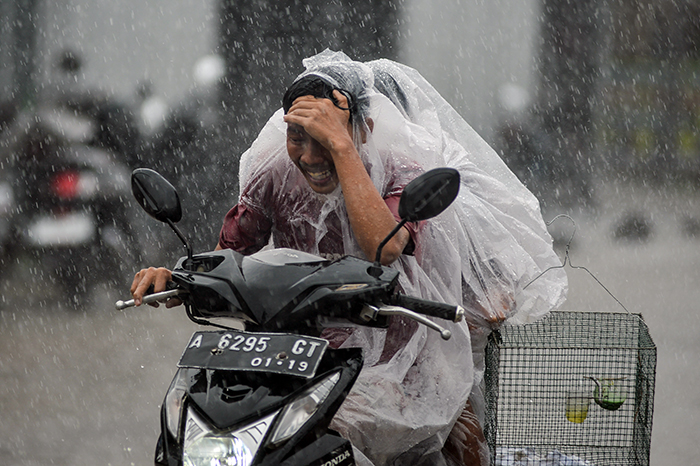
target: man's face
314 160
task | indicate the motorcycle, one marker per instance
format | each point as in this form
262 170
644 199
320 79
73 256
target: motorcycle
264 387
66 200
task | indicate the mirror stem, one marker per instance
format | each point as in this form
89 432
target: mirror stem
376 269
188 263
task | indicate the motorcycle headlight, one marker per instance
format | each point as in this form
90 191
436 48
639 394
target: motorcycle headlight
173 402
204 447
297 413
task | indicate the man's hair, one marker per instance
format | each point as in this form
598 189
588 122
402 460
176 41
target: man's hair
318 87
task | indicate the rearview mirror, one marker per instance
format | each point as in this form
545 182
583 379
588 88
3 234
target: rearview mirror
425 197
160 200
429 195
156 195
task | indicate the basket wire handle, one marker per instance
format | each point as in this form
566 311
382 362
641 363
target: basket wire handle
567 260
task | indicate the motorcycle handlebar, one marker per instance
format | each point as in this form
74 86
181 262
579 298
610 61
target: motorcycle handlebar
416 309
149 298
430 308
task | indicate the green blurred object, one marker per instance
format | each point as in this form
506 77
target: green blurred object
608 395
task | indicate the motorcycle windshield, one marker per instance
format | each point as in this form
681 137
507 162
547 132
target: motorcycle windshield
283 256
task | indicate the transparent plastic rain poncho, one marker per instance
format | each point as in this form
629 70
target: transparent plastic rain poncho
482 252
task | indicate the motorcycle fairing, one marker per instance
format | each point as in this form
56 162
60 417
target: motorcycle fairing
228 400
329 449
236 285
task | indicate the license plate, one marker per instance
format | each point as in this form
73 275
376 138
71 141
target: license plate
70 229
263 352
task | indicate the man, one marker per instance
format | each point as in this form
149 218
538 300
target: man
319 143
324 176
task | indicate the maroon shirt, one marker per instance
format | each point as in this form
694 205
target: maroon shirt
246 230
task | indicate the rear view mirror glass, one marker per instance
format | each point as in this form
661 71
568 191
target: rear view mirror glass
429 195
156 195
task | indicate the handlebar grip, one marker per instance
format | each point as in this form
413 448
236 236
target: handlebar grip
430 308
149 298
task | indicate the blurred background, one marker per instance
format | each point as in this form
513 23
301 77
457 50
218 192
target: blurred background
594 104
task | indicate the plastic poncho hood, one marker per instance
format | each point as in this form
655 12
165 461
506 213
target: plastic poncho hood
341 74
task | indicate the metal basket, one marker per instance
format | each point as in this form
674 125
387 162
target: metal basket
542 401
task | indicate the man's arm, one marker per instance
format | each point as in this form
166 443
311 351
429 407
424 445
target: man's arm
370 217
243 229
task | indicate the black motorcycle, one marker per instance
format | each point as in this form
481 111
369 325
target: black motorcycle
263 388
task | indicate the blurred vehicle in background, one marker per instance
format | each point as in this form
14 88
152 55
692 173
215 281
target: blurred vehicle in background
64 199
8 111
7 204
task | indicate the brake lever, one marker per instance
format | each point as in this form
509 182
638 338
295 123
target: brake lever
370 312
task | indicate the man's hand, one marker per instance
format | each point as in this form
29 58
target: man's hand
331 154
156 277
322 120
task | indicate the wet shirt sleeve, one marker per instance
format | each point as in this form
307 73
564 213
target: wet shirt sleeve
245 230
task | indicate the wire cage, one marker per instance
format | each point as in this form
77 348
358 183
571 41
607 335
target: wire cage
577 386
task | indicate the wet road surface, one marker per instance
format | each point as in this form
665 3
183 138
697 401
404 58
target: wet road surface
84 388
